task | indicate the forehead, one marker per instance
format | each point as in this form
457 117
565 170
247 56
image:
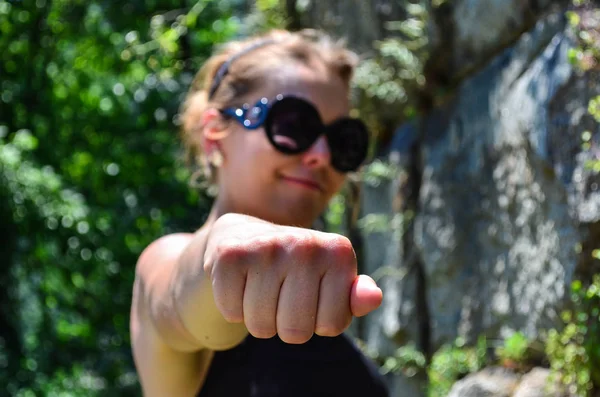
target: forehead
322 88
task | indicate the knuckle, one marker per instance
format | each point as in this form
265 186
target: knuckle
265 247
302 245
290 241
264 254
230 250
342 245
308 242
342 251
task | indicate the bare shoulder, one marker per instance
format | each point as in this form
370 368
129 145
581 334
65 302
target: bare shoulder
166 363
152 304
166 248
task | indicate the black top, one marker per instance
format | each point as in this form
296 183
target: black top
322 367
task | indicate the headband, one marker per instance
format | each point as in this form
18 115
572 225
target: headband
224 69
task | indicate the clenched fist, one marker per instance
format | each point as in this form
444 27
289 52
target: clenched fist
284 280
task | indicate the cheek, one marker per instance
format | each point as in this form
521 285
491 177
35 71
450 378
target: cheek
242 144
250 154
337 181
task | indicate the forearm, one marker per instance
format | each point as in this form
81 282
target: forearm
193 301
169 358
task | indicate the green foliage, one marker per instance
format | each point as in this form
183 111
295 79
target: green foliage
594 108
398 63
89 175
452 362
388 83
574 351
514 348
265 15
407 360
334 215
378 171
438 3
372 174
584 20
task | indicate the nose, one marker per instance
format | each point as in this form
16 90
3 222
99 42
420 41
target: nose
318 155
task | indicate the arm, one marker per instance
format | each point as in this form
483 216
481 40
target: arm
166 360
195 294
174 323
199 323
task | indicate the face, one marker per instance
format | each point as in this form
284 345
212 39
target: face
256 179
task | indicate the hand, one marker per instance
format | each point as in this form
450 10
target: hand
285 280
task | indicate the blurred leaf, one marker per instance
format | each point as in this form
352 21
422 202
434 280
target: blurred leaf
90 173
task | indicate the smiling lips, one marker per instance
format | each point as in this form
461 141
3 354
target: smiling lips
308 183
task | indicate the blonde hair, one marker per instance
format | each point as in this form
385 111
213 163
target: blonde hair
250 60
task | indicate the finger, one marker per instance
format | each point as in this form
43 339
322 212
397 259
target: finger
333 314
297 308
228 280
365 296
260 301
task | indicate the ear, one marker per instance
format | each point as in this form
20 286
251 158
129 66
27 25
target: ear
213 125
214 128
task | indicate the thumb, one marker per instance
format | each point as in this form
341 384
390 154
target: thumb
365 296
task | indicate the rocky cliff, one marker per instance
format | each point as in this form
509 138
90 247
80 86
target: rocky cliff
494 210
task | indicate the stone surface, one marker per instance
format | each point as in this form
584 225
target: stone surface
484 27
535 384
359 22
490 382
568 120
503 203
467 34
502 382
494 229
390 257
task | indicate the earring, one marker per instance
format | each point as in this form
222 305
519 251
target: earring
215 158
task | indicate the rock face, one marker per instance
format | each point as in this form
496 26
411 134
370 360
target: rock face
491 382
495 212
481 28
359 22
496 233
500 382
534 384
496 238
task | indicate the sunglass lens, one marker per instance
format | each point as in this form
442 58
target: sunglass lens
293 125
349 141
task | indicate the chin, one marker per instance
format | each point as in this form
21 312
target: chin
292 211
298 219
295 221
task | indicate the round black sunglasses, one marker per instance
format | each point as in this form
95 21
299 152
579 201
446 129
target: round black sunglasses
293 125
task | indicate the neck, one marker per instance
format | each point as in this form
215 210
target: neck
218 209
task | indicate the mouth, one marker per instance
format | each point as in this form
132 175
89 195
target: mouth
307 183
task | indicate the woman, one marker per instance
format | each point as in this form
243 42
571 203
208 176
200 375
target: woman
255 303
